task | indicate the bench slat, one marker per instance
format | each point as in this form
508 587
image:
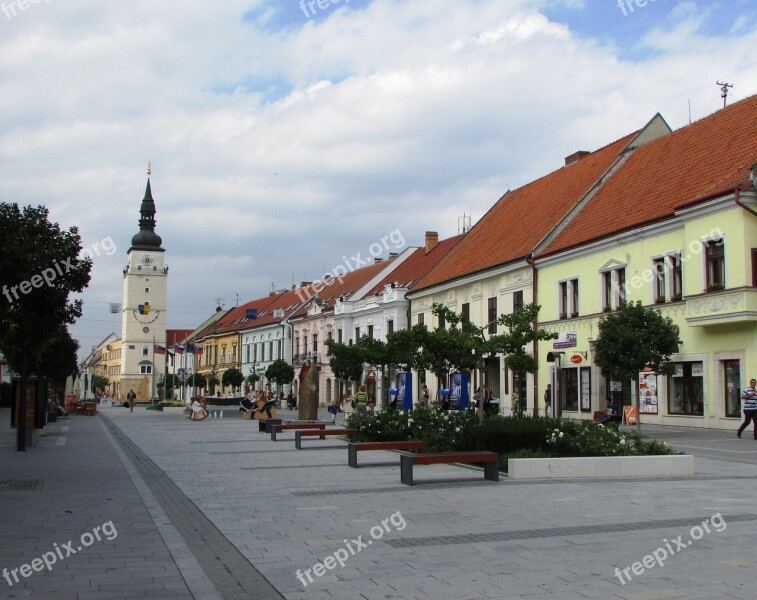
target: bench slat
353 448
322 433
407 461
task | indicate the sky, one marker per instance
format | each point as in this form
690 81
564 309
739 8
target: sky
286 136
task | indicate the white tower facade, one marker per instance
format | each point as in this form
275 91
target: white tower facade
144 307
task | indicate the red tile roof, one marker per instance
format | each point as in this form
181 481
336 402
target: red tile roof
409 273
236 318
174 336
709 157
348 284
516 224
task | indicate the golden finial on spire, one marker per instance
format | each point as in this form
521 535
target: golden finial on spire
149 168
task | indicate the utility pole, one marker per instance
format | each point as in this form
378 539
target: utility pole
724 91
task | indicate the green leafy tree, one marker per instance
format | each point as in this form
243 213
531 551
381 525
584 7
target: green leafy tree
39 269
280 372
515 343
100 383
233 378
346 362
197 380
634 338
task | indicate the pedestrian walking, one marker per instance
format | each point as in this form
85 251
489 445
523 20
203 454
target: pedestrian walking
334 409
548 400
131 398
361 399
749 405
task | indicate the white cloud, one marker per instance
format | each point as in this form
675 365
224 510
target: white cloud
277 151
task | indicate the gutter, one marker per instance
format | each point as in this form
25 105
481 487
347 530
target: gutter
743 188
535 291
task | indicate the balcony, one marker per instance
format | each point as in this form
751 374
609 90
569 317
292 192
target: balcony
722 307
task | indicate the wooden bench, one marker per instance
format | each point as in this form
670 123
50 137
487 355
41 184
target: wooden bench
263 424
490 460
278 427
322 433
354 447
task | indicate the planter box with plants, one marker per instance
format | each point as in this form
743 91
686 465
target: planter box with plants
600 466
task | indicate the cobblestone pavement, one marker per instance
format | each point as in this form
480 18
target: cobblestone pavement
214 509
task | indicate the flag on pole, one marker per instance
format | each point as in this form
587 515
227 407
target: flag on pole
178 348
159 349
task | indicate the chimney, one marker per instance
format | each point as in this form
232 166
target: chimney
432 240
575 157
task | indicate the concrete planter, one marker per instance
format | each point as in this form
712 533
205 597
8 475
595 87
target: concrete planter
600 466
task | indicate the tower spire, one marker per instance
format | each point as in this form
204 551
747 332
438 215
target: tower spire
147 239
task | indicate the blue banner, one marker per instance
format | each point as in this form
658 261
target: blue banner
405 390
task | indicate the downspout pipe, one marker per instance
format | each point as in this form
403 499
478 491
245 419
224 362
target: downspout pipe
743 188
535 290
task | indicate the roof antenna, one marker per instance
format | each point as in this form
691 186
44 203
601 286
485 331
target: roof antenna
724 91
689 111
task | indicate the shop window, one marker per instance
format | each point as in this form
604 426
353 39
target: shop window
569 389
732 391
686 389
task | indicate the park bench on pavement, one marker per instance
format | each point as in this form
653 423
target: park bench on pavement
409 460
321 433
354 447
276 428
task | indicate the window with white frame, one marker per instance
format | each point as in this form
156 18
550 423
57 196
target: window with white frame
568 300
613 289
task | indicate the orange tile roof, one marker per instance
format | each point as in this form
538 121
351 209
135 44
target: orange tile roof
236 318
514 226
286 302
709 157
348 284
409 273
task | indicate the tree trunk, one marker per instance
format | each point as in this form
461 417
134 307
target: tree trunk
307 407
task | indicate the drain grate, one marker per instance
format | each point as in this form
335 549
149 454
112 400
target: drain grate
18 484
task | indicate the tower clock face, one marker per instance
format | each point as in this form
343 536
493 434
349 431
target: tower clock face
147 259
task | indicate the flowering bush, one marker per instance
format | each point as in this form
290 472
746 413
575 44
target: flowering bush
594 439
442 430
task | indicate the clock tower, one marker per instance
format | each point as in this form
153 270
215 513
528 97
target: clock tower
143 317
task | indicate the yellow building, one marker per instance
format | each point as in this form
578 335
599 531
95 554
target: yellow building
111 362
676 228
490 271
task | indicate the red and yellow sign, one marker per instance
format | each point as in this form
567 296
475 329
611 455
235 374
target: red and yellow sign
630 416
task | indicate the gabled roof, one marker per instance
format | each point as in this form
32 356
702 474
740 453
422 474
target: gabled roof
347 285
175 336
236 318
283 306
515 225
705 159
410 272
198 331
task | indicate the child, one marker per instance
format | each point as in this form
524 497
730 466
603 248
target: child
333 409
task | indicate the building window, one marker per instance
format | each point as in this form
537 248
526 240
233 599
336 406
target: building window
420 319
389 327
714 253
145 369
517 301
607 290
466 312
492 315
357 334
573 297
147 290
442 322
686 389
732 392
370 332
315 342
563 300
340 336
676 276
145 351
620 288
569 389
658 283
270 350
